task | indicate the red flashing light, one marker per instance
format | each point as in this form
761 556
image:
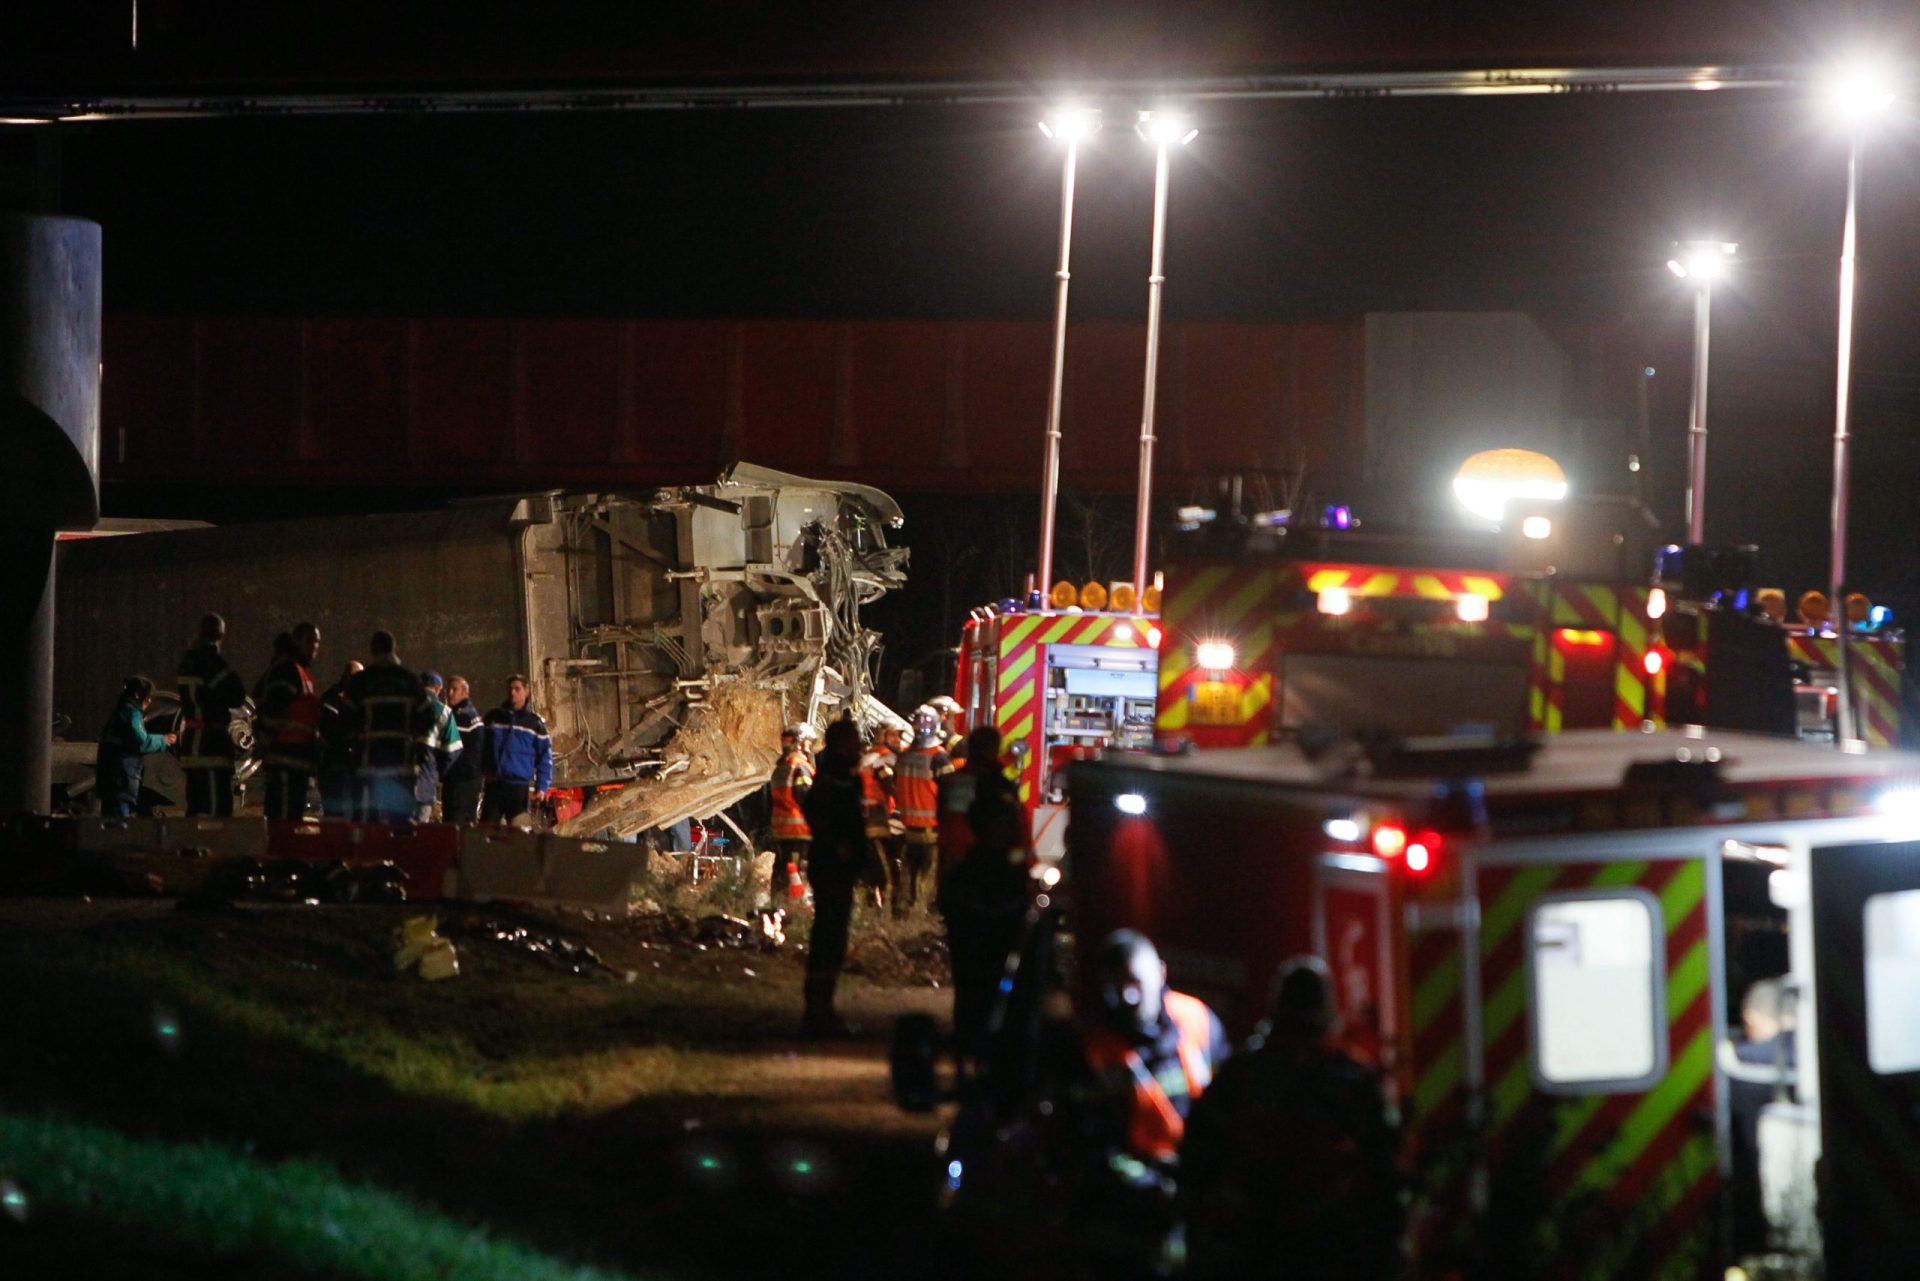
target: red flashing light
1419 849
1422 851
1153 637
1655 661
1389 840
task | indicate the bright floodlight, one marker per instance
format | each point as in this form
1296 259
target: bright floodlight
1703 260
1215 656
1490 479
1857 92
1131 803
1166 128
1071 124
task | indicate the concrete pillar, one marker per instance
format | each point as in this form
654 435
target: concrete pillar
50 436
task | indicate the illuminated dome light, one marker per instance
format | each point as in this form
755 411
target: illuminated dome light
1491 479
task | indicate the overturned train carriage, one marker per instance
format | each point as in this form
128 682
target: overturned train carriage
668 635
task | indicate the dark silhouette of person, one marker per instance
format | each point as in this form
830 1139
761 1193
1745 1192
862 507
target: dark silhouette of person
1289 1165
835 817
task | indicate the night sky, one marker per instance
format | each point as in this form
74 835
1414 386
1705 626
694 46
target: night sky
1564 207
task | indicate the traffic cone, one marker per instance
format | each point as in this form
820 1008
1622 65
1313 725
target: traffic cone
796 888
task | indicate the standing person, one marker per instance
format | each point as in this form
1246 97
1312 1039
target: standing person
916 781
1768 1047
1154 1051
1292 1153
337 746
984 901
792 777
835 816
981 777
210 691
517 756
287 722
880 811
460 782
388 712
119 763
439 748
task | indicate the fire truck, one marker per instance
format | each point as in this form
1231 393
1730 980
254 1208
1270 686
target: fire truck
1543 945
1577 619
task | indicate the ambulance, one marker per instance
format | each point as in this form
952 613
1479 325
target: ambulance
1543 943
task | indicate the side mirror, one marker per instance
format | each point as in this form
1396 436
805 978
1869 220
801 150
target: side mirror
911 1056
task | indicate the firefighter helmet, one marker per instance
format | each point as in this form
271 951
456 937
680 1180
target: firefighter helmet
945 704
926 725
800 731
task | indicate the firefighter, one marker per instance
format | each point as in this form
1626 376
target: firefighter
288 722
1814 611
337 748
439 747
516 756
1154 1052
1772 603
1291 1154
460 783
119 763
980 777
880 811
952 732
388 711
210 692
834 810
792 776
916 781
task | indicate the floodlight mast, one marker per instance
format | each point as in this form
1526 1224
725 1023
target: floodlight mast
1858 94
1702 262
1163 129
1069 125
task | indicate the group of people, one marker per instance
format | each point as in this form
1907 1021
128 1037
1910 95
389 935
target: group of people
383 743
889 813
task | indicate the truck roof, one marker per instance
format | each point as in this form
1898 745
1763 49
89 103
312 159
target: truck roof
1573 762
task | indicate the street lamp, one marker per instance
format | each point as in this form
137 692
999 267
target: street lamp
1857 94
1701 262
1071 125
1163 129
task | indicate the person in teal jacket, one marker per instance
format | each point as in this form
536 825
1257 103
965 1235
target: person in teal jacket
125 743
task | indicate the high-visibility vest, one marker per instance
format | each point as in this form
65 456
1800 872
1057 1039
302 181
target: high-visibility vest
876 792
916 782
1155 1127
789 821
289 716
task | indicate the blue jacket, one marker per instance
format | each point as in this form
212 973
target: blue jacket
119 764
516 748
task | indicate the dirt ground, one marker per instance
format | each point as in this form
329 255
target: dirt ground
653 1114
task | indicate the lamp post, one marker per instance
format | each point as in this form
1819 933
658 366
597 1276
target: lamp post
1857 94
1068 125
1163 129
1702 262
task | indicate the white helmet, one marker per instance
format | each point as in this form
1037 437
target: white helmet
926 725
945 704
800 730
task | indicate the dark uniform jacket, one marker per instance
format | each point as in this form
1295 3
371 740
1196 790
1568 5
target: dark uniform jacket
210 690
835 815
389 711
287 723
466 763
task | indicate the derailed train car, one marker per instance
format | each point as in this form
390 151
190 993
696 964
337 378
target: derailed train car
668 635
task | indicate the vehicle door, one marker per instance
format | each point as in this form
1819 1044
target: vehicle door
1866 961
1350 933
1595 1043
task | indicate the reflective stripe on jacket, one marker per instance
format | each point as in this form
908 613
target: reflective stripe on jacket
917 786
1155 1127
287 721
516 748
386 706
210 690
791 779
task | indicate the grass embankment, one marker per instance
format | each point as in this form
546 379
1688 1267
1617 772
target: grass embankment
262 1086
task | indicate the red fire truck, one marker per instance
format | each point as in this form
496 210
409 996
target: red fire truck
1544 945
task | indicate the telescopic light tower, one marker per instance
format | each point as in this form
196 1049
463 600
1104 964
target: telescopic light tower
1165 130
1068 125
1857 94
1701 263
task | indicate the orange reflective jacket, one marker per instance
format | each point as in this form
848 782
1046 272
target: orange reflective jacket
789 821
1155 1127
